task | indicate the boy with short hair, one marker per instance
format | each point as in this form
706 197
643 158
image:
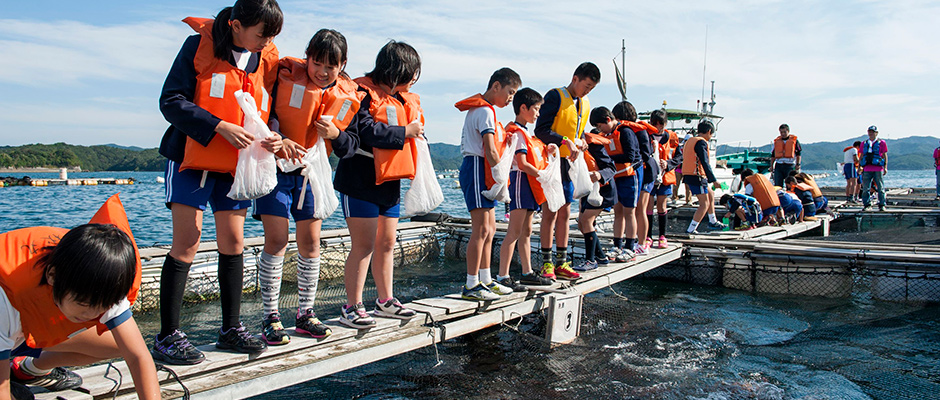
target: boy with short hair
804 192
624 151
525 191
482 143
743 210
562 119
697 173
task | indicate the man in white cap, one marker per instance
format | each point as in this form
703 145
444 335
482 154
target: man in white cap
874 162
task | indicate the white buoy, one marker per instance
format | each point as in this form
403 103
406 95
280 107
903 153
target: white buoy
63 173
160 179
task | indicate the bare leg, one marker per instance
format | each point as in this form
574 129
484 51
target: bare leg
479 248
383 258
362 232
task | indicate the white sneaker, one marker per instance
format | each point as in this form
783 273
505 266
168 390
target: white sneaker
613 253
625 256
498 288
640 250
393 309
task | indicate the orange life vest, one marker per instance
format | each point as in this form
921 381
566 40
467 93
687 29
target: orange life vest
595 139
615 148
499 137
216 83
299 102
665 154
785 149
763 191
812 183
691 165
392 165
803 187
43 323
536 155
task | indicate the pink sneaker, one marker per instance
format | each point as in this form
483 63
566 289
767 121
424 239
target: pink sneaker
663 243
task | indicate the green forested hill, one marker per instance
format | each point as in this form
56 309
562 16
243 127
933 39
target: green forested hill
910 153
89 158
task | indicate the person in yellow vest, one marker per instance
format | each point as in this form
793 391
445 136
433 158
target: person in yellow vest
233 52
562 120
786 155
482 143
697 173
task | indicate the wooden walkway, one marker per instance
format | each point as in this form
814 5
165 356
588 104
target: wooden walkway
226 375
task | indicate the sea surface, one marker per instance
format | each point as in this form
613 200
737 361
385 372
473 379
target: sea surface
68 206
639 339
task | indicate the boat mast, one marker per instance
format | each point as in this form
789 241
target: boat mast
704 65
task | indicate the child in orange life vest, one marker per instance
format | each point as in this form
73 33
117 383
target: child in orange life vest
647 172
804 192
562 119
66 300
307 92
390 117
697 173
482 143
602 169
525 191
624 151
230 53
664 144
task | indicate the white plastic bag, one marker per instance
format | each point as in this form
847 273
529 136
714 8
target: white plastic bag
580 177
256 171
595 198
500 172
550 178
318 173
425 193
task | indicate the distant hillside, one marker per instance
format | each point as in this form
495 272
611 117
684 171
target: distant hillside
911 153
89 158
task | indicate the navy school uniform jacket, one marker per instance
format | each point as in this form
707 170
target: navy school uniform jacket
630 146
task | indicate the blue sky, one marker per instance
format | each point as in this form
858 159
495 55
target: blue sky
91 72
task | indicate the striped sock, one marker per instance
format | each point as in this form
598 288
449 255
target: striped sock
308 275
546 255
271 269
561 255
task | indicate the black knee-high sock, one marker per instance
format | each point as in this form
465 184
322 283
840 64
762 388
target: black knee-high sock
546 255
598 251
561 255
172 284
590 241
662 224
231 273
618 243
649 225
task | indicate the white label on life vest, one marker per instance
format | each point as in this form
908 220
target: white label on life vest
611 146
217 87
297 96
265 98
392 115
341 115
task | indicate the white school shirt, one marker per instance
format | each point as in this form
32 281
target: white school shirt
479 121
848 156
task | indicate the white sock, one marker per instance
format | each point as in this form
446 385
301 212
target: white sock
692 226
28 367
270 269
712 218
500 277
308 274
485 276
472 281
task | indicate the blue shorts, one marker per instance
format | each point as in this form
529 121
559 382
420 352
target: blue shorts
770 211
182 187
628 190
520 192
283 200
662 190
795 208
473 183
608 192
698 189
821 203
355 208
849 171
24 350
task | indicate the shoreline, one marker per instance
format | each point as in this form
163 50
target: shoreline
37 170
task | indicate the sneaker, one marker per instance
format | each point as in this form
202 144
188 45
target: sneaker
534 279
866 207
625 256
58 379
564 271
272 330
663 243
392 308
175 349
499 289
548 271
716 226
20 392
881 207
648 243
640 250
356 317
602 261
478 292
308 324
937 198
512 284
239 339
612 253
586 266
743 227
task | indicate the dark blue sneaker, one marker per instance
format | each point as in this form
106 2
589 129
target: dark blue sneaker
586 266
240 340
478 292
58 379
175 349
716 226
